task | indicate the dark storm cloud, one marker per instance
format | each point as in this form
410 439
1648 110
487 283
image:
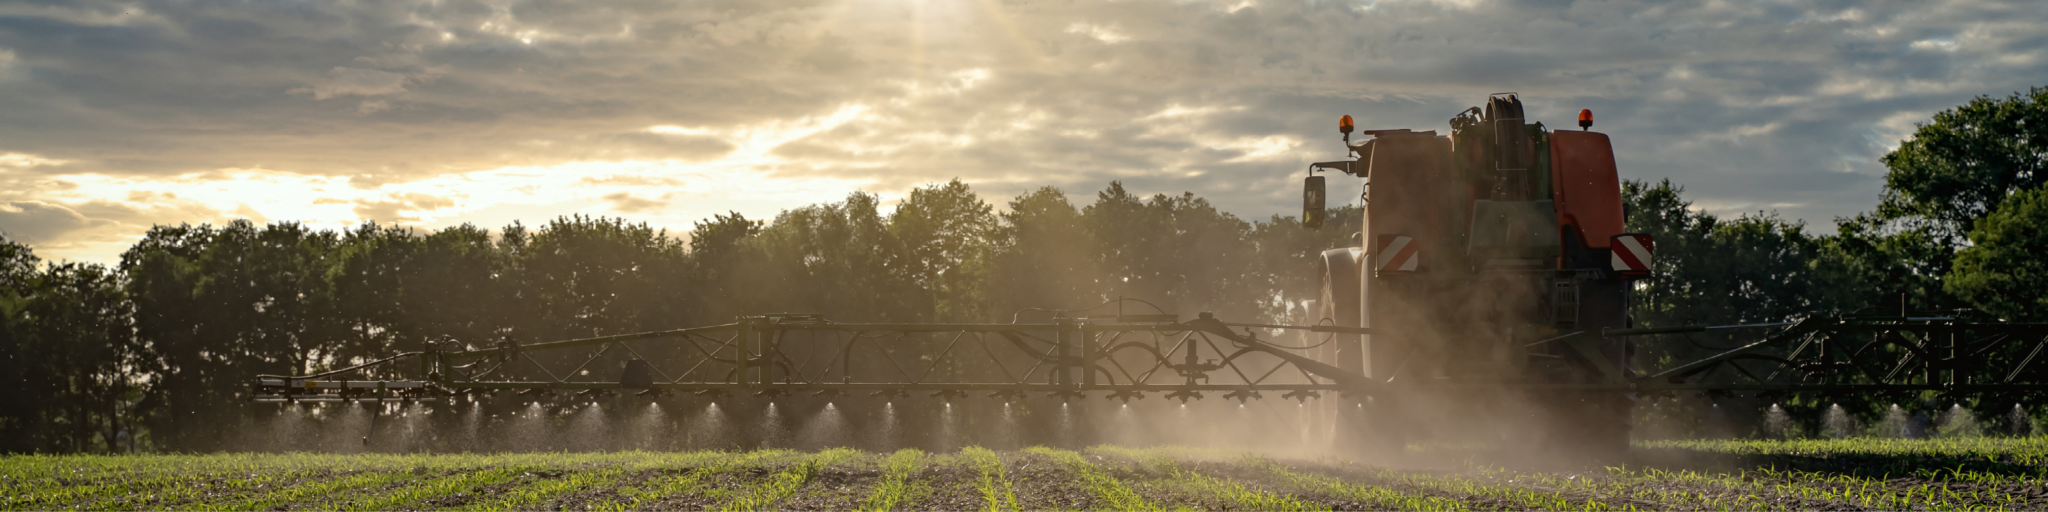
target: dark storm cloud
1751 105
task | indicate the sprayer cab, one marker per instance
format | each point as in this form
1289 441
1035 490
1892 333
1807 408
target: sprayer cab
1487 249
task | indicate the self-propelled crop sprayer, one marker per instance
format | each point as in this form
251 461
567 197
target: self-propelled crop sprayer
1489 295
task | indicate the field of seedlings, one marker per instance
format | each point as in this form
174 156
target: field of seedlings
1985 473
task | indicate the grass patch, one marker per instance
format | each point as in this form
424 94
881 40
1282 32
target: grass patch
896 483
994 484
412 496
1112 492
662 485
782 485
1998 474
306 491
1372 496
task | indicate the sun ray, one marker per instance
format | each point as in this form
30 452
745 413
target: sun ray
994 14
917 40
830 16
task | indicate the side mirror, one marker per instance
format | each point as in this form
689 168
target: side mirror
1312 193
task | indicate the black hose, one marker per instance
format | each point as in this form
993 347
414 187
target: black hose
1696 343
343 370
1155 307
1326 338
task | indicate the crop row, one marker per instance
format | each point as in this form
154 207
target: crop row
1103 477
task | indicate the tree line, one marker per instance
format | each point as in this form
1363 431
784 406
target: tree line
158 350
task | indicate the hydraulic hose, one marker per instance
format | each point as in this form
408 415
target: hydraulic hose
343 370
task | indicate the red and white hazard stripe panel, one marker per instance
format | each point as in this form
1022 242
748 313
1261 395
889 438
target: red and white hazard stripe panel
1397 254
1632 254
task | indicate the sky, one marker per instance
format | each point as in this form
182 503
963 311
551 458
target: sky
116 116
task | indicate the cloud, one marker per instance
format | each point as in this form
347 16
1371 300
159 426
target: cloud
91 14
22 160
1100 33
342 81
624 202
397 208
36 222
435 112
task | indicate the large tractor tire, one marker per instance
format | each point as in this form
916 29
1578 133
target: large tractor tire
1340 301
1363 426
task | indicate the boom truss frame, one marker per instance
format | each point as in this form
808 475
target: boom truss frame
1127 357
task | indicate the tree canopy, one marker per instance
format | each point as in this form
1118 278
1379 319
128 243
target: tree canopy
1962 165
1945 187
2002 272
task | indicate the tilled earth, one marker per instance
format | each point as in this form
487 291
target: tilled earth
1101 478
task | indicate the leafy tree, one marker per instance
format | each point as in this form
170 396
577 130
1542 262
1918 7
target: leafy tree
1951 172
367 279
1204 260
2002 272
17 266
74 370
1176 251
944 231
1946 183
832 259
267 289
1706 270
591 276
1959 167
1679 232
163 282
868 250
221 305
456 288
1043 256
721 250
1129 238
96 370
1287 254
1753 269
1890 265
23 411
